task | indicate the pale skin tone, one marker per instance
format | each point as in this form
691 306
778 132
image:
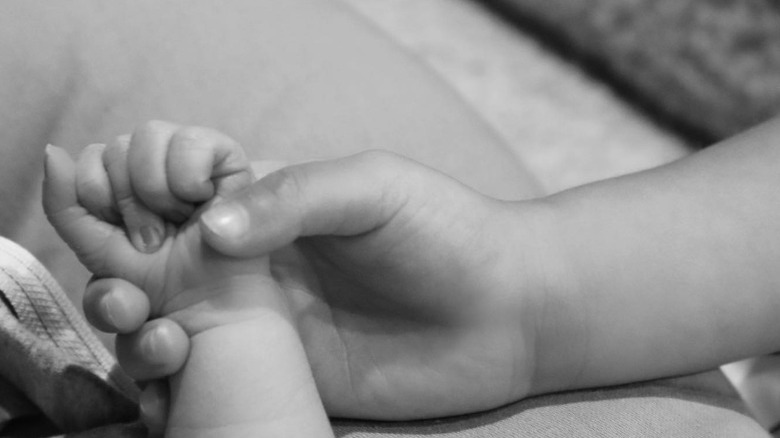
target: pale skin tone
665 272
222 304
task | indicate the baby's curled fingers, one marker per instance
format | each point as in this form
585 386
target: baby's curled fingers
172 169
147 157
202 163
145 229
101 246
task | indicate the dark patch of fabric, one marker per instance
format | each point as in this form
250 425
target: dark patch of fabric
707 69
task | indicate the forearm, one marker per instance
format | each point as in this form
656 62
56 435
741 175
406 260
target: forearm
674 270
248 377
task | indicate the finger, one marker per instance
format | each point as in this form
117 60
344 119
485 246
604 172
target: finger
157 350
147 156
202 163
153 404
145 229
115 306
93 186
338 197
100 246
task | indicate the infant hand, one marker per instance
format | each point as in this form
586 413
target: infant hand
161 172
221 303
123 208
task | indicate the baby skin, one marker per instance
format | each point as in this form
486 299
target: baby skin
129 209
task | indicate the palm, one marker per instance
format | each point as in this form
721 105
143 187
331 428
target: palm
396 331
186 275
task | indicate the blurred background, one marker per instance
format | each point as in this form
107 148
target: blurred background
589 89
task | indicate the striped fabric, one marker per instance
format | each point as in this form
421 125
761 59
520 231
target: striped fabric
54 373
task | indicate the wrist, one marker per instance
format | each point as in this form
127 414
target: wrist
548 297
227 302
248 378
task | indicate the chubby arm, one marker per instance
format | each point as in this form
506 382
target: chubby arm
667 271
248 378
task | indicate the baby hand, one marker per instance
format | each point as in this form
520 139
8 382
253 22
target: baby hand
247 373
126 209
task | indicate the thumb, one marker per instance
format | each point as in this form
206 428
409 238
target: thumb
344 197
100 246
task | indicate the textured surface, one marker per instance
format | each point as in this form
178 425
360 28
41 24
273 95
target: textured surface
682 408
51 357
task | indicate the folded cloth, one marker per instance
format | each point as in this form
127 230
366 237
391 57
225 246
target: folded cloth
56 377
710 67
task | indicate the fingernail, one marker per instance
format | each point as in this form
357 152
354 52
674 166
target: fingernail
227 220
151 402
151 238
